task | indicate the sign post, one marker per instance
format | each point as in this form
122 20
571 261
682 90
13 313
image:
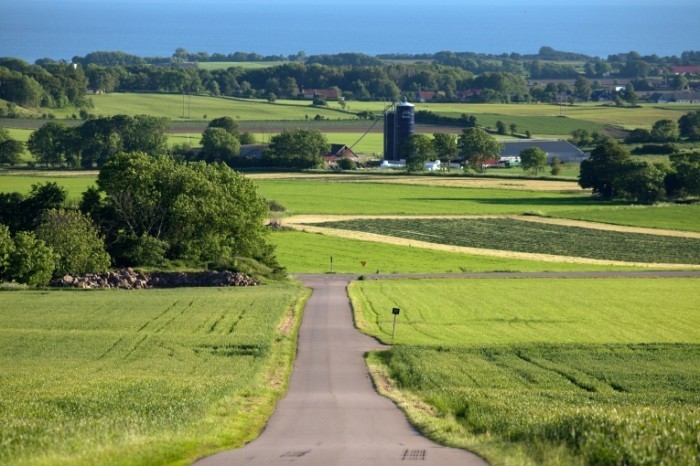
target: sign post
396 312
331 264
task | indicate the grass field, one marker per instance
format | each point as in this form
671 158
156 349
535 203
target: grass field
302 252
667 216
323 197
534 237
543 371
540 119
142 377
516 311
195 107
74 183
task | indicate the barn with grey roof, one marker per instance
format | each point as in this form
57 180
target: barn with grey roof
566 151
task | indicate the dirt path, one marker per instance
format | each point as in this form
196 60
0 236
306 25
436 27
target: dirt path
301 223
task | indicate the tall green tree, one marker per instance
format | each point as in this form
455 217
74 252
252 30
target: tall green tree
197 211
665 131
689 126
500 127
227 123
10 149
603 169
630 95
445 146
50 144
582 89
641 181
556 165
299 148
533 160
219 145
31 261
77 245
7 246
476 146
686 174
103 138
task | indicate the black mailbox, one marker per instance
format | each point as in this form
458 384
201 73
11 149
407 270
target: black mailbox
395 311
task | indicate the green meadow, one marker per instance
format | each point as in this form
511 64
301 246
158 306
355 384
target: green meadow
540 119
666 216
303 252
352 197
74 183
483 312
141 377
201 107
543 371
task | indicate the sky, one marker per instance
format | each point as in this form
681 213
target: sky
157 27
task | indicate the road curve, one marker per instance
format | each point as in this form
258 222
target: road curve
332 416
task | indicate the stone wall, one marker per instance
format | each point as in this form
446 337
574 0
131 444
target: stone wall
129 279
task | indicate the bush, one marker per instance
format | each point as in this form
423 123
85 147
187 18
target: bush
76 242
346 164
31 261
275 206
141 250
7 246
656 149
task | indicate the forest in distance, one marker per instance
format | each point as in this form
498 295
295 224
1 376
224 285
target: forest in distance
549 76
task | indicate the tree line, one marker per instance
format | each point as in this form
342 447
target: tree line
545 64
612 173
53 84
145 211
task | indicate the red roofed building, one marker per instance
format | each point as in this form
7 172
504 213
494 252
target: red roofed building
427 96
467 94
685 69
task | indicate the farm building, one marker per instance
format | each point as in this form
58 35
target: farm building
341 150
337 152
430 165
329 94
679 97
566 151
685 69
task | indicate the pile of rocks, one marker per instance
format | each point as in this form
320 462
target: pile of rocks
213 278
128 279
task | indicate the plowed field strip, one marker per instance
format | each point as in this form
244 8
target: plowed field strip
301 223
303 219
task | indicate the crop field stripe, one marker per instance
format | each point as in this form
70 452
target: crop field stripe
82 385
543 371
527 237
502 310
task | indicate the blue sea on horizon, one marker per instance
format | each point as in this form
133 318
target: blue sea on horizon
34 29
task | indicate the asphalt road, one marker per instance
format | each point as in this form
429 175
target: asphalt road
332 416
